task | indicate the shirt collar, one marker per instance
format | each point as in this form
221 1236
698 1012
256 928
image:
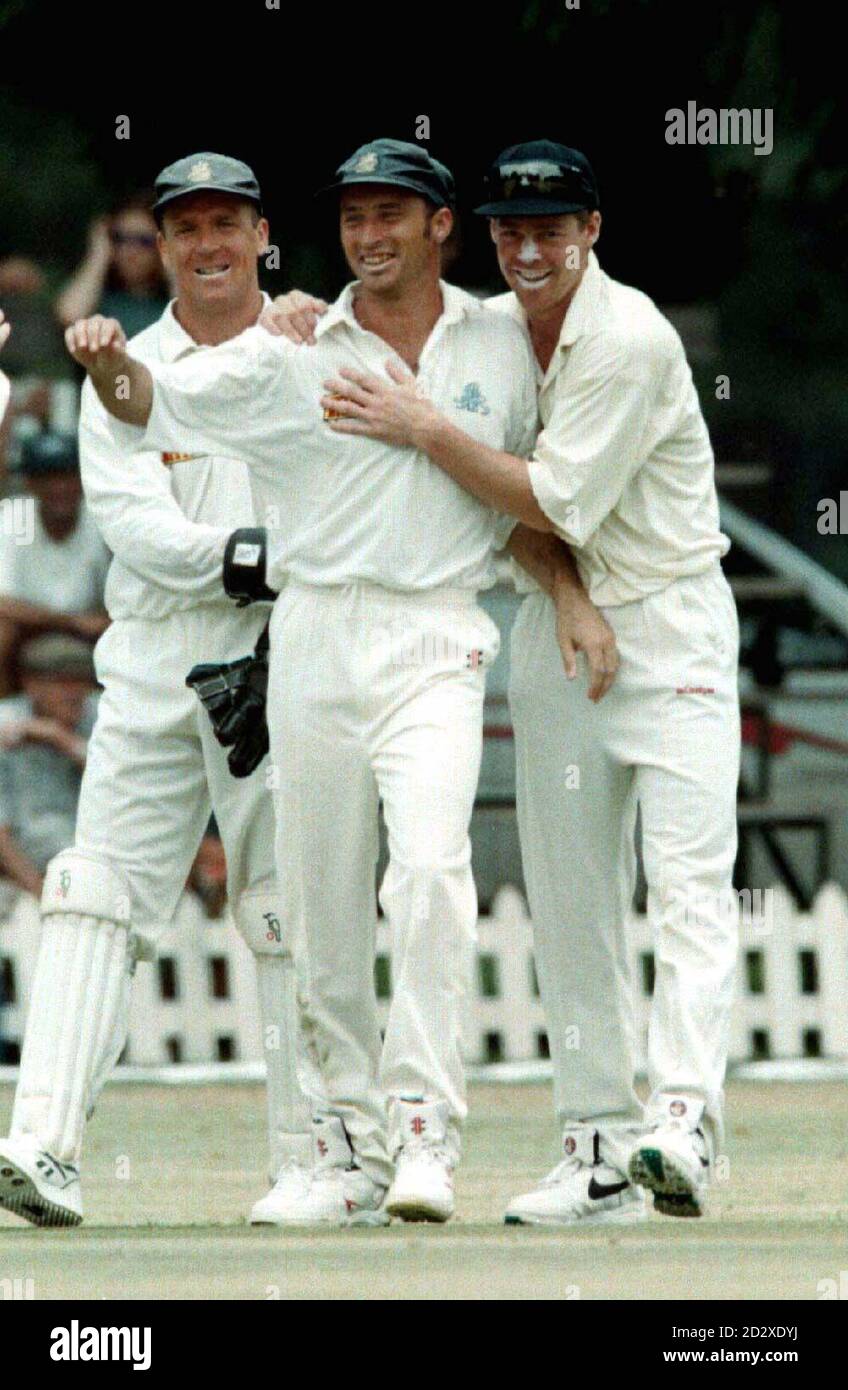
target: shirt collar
455 305
174 342
580 314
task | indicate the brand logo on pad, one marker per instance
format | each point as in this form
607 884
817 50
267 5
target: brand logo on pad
569 1146
678 1107
171 457
474 659
274 932
418 1125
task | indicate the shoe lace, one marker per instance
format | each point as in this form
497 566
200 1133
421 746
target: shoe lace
335 1173
563 1169
431 1151
289 1166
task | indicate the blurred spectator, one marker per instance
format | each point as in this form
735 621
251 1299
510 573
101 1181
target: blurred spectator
5 330
121 275
42 380
43 741
53 563
208 877
36 350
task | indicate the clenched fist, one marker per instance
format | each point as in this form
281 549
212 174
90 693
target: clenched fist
98 344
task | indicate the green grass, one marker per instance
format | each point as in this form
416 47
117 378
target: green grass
170 1175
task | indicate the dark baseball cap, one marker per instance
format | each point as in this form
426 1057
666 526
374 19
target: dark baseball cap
400 163
49 452
210 173
539 177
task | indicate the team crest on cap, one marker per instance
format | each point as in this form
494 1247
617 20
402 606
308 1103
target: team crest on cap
366 163
200 171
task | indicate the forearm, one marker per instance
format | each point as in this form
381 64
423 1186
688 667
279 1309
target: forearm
125 389
548 560
81 295
35 617
17 865
501 480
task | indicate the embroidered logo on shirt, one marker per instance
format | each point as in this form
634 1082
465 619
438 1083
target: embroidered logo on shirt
472 399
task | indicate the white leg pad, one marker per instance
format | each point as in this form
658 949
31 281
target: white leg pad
75 1030
293 1085
79 1009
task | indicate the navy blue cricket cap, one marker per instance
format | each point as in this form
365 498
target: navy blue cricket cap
536 178
49 452
211 173
397 162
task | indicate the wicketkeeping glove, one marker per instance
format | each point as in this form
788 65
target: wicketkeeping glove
234 693
245 563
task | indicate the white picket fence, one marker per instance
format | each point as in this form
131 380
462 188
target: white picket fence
198 1003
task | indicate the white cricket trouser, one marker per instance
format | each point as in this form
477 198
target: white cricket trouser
666 736
376 695
155 769
154 772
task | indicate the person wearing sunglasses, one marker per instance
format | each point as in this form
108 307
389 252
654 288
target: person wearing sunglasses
121 273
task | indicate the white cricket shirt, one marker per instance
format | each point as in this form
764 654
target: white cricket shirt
343 508
166 526
623 466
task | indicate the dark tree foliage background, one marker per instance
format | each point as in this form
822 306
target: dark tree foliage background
758 240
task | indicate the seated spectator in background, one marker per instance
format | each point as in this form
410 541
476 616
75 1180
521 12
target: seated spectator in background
43 741
121 275
43 391
52 561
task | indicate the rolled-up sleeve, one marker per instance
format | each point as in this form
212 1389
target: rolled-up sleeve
129 496
596 436
224 400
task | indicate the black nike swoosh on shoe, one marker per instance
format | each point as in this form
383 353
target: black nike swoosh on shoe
598 1190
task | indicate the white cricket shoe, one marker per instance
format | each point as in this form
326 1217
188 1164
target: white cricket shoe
290 1186
334 1193
36 1186
582 1190
673 1161
422 1189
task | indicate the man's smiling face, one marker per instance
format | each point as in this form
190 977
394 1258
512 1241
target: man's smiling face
543 258
390 236
210 242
